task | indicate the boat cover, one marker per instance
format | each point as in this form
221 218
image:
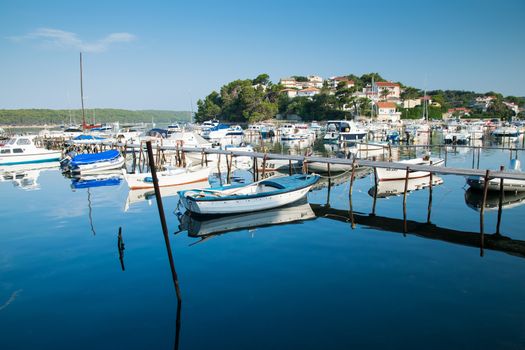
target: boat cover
82 159
87 137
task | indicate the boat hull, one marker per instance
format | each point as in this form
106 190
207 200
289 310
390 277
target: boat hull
98 167
30 158
167 179
235 206
388 174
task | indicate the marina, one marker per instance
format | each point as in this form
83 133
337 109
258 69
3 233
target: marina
351 223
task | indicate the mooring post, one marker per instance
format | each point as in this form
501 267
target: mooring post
375 193
446 155
162 217
264 166
431 183
482 211
228 167
479 152
290 167
219 168
329 173
405 228
473 157
500 201
352 177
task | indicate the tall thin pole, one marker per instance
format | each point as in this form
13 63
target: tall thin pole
82 96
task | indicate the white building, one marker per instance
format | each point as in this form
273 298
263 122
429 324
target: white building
386 112
315 81
308 92
333 82
394 90
291 93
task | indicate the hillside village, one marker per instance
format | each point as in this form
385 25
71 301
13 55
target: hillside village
386 96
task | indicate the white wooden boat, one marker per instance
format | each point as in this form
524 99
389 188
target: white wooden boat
265 194
147 194
388 174
22 150
168 178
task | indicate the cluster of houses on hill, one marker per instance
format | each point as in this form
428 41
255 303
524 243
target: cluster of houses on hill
385 95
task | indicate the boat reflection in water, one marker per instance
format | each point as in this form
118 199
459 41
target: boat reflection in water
198 226
474 199
97 180
25 176
136 196
396 188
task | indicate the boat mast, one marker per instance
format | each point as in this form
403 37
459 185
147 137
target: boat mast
82 96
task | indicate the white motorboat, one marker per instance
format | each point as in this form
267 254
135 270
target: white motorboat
389 174
22 150
509 185
168 178
265 194
343 130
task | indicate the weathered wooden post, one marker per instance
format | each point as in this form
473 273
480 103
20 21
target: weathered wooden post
162 217
405 228
446 155
264 166
375 192
479 152
482 211
500 201
290 167
431 183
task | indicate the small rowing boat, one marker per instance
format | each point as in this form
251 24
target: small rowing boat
168 178
389 174
261 195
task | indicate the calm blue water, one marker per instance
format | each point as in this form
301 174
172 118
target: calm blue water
311 284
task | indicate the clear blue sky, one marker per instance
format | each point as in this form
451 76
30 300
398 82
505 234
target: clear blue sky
164 54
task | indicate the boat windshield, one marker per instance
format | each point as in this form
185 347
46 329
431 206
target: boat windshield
11 142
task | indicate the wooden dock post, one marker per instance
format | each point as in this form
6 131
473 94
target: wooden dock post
219 168
431 183
482 211
500 201
405 228
375 193
352 177
479 152
290 167
264 166
162 217
446 155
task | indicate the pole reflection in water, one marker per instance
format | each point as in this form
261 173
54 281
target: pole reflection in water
495 242
90 213
166 241
120 245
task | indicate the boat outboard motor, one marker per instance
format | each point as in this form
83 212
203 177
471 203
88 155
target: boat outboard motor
515 164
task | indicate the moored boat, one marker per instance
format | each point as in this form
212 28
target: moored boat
390 174
266 194
515 185
168 178
94 163
22 150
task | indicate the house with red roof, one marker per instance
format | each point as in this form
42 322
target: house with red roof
387 112
393 89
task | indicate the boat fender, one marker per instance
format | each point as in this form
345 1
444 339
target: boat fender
148 179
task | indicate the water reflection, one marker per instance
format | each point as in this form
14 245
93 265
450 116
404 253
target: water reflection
204 227
474 199
396 188
25 176
494 241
